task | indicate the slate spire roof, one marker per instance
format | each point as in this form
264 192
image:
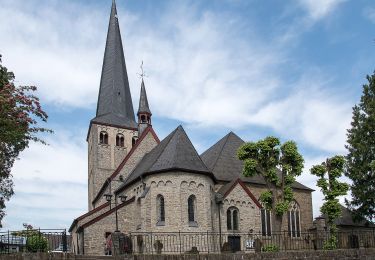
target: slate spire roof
222 160
173 153
143 102
115 105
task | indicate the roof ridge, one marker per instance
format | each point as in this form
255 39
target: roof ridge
161 152
195 150
221 150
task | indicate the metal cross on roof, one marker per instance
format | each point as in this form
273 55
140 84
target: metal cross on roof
143 73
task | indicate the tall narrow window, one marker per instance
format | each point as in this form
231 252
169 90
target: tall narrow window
232 218
103 137
134 140
191 208
160 210
266 221
294 220
120 140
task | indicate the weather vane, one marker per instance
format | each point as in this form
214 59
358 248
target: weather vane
142 74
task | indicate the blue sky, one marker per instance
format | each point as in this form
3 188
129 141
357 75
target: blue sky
293 69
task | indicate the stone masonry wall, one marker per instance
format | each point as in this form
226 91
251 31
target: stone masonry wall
304 200
176 187
94 235
147 144
249 213
103 159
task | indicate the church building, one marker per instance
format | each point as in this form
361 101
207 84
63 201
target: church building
140 185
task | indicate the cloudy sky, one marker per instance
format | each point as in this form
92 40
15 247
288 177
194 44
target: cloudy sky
292 69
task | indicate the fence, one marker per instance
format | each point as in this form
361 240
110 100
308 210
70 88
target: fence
34 240
211 242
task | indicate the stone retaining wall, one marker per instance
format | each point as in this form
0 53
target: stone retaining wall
342 254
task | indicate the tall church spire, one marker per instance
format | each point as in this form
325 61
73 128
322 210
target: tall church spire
115 105
143 102
144 113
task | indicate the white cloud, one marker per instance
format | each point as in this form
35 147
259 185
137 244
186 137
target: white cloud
50 183
369 13
318 9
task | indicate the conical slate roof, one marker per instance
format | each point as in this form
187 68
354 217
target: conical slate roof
222 160
175 152
143 102
115 105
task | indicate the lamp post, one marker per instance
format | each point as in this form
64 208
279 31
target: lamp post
108 198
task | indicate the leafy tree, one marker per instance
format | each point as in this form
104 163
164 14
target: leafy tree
19 112
360 166
278 165
328 173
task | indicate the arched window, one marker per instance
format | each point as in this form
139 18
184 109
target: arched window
232 218
266 221
120 140
160 209
294 220
103 137
134 140
143 119
191 208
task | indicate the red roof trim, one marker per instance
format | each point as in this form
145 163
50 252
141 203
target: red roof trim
246 189
88 214
144 134
93 211
108 213
121 165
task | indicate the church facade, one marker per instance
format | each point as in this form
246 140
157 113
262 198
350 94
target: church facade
139 184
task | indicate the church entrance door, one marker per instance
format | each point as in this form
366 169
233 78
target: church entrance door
234 243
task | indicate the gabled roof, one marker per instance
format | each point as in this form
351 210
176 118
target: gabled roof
175 152
227 188
115 105
143 102
107 213
222 160
75 221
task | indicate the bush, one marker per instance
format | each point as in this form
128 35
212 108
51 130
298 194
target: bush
270 248
36 243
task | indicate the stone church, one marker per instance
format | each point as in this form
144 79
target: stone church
138 184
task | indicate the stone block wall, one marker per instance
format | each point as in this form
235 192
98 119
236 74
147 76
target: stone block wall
304 200
145 146
103 159
249 213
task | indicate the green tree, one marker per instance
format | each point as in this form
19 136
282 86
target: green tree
329 172
279 165
19 112
360 166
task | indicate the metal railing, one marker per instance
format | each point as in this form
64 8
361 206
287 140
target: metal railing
212 242
34 240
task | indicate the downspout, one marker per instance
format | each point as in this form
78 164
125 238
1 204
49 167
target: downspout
219 201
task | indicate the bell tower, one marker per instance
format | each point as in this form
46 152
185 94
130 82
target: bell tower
144 113
111 131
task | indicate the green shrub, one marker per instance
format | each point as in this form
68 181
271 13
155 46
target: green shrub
270 248
36 243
